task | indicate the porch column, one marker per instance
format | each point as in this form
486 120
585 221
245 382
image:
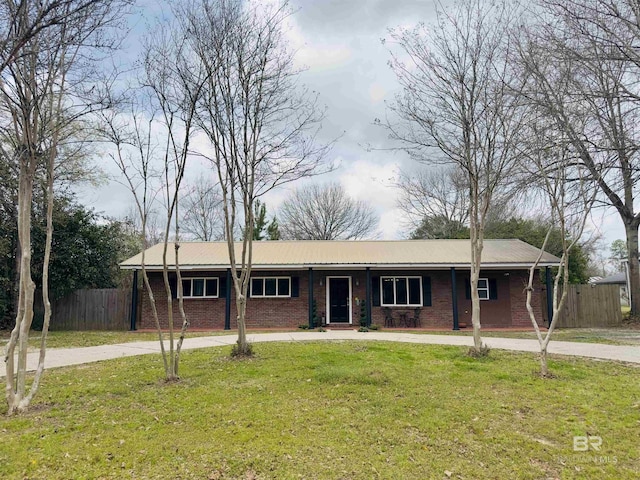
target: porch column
227 304
454 299
549 294
134 301
368 296
310 286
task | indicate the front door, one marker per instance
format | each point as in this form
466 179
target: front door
339 293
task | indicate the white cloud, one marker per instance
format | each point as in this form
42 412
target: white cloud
374 184
391 226
323 57
377 93
319 55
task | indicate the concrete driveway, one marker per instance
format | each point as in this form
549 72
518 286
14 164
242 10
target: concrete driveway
61 357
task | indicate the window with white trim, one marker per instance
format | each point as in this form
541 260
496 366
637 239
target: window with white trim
206 287
483 288
401 291
271 287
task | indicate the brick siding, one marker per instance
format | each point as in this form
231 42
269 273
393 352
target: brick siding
508 309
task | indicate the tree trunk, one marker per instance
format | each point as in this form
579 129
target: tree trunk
16 378
631 230
26 401
475 314
544 369
243 345
475 230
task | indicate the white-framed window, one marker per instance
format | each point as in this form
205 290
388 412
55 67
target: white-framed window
401 291
483 288
271 287
206 287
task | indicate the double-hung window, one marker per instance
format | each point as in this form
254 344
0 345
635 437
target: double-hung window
271 287
483 288
401 291
200 287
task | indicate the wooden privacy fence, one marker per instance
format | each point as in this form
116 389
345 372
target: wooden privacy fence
96 309
591 306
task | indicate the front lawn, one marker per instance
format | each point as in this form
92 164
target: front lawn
329 410
610 336
68 339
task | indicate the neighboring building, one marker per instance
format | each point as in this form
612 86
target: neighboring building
620 279
393 278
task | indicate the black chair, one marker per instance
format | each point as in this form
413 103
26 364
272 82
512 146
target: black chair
388 317
415 320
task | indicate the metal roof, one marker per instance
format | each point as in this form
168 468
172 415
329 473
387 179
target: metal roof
618 278
345 254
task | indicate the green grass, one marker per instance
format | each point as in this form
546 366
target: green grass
328 410
93 338
610 336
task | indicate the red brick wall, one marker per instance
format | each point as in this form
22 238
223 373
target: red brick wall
508 310
209 312
276 312
519 314
439 314
493 312
202 313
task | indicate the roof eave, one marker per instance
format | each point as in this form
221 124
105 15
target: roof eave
347 266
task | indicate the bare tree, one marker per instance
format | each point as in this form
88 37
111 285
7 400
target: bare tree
135 156
153 224
23 21
436 203
551 166
203 218
261 126
455 107
582 63
150 126
434 192
42 95
325 212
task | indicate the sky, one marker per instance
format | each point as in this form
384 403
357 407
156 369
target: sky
339 45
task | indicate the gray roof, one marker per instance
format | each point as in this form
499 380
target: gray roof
618 278
344 254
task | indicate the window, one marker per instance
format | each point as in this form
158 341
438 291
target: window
200 287
401 291
483 288
271 287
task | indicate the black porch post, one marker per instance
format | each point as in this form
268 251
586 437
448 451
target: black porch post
454 299
368 296
227 304
310 286
549 294
134 300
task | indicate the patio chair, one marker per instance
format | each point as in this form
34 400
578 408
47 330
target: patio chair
414 321
388 317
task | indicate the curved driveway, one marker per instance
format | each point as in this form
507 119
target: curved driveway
60 357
